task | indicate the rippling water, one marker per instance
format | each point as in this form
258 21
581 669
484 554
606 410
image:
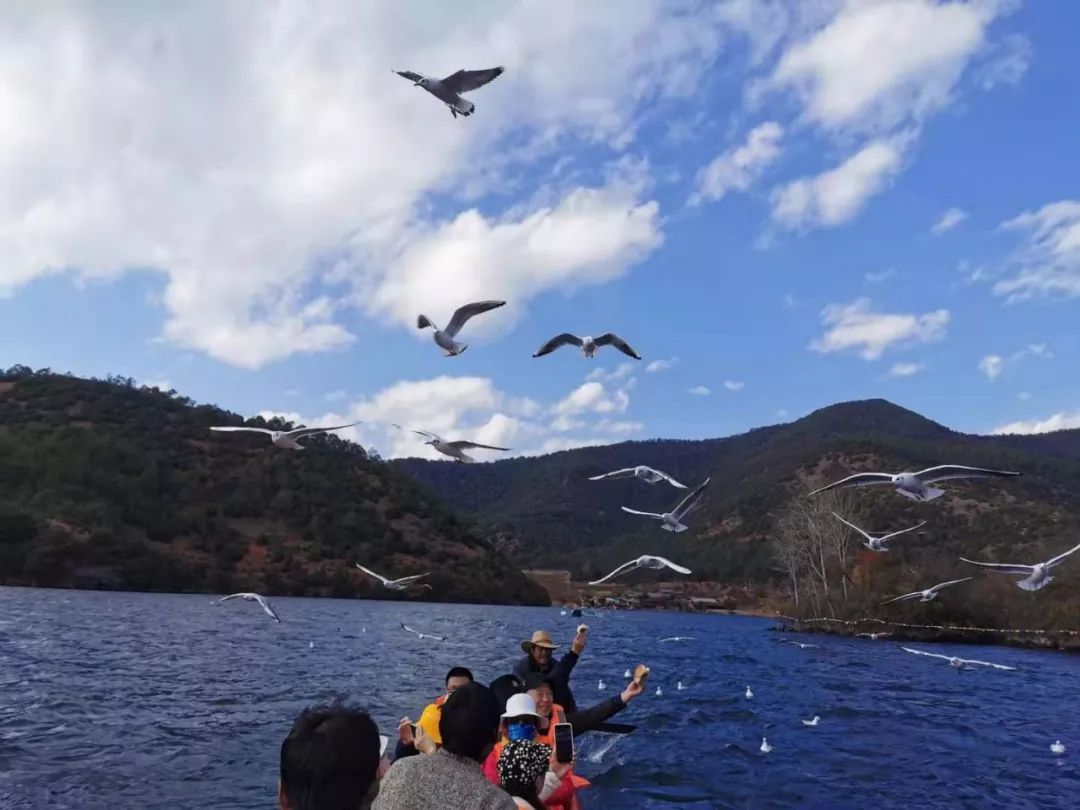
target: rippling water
136 700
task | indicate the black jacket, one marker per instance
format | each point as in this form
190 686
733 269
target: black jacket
558 671
588 719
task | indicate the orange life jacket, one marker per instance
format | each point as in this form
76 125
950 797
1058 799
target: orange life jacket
558 715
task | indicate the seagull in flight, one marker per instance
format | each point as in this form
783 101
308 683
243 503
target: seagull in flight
958 663
420 635
253 597
588 345
449 90
915 485
444 338
644 561
393 584
286 440
646 474
801 645
673 520
1035 576
456 449
872 636
877 543
929 594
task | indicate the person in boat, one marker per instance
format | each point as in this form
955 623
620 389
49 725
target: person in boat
523 770
331 758
428 725
540 660
518 725
451 777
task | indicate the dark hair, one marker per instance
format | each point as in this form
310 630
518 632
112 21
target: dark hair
458 672
330 758
505 687
469 722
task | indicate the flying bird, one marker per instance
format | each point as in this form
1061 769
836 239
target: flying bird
420 635
673 520
286 440
588 345
646 474
393 584
929 594
253 597
449 90
444 338
958 663
801 645
644 561
872 636
456 449
1035 576
877 543
915 485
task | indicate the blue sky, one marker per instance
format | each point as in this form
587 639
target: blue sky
788 204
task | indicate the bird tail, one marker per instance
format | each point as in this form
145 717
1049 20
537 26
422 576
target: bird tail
458 349
1029 584
678 528
423 322
462 107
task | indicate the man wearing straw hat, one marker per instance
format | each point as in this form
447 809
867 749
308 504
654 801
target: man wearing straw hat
539 659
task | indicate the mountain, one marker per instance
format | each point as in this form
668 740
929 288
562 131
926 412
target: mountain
106 485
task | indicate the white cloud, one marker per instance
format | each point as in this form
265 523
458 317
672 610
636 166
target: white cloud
593 397
878 277
1008 62
855 326
906 369
618 426
734 385
1049 260
736 169
660 365
1058 421
621 372
336 396
837 195
948 220
992 365
700 390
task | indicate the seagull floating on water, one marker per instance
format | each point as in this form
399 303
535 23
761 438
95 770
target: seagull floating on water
958 663
1035 576
677 638
646 474
765 747
878 543
749 693
915 485
800 644
285 439
812 722
455 449
264 603
601 686
679 686
1057 748
444 338
394 584
673 520
644 561
628 673
929 594
588 345
449 90
421 635
659 692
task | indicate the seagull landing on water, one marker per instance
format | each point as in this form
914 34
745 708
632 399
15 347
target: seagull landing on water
456 449
765 747
420 635
878 543
929 594
646 474
395 584
813 722
444 338
449 90
286 440
915 485
673 521
644 561
959 663
253 597
1035 576
588 345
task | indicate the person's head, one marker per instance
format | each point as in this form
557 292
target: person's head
505 687
329 760
520 718
469 722
540 647
539 689
457 678
522 766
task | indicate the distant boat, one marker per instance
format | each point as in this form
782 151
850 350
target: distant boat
576 612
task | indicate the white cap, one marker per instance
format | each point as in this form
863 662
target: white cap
520 705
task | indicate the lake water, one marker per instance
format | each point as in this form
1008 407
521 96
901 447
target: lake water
111 700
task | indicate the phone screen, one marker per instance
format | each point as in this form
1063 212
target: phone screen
564 742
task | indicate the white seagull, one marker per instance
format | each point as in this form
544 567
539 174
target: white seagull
420 635
588 345
394 584
679 686
958 663
872 636
878 543
444 338
659 692
286 440
449 90
677 638
646 474
1057 747
1035 576
915 485
812 722
253 597
456 449
765 747
644 561
801 645
749 694
601 685
673 520
929 594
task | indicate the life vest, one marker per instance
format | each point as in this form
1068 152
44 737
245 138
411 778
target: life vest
558 715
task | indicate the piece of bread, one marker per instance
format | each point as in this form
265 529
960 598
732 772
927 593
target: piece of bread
641 673
581 628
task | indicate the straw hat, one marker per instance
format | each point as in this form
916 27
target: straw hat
541 638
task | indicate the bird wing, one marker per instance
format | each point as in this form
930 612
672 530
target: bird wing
636 512
230 429
418 432
1005 568
624 473
371 573
985 664
462 314
911 595
668 478
691 500
858 480
948 472
413 578
465 80
565 339
266 606
609 339
622 569
902 531
941 585
1060 557
309 431
414 632
408 74
464 445
671 565
922 652
853 526
231 596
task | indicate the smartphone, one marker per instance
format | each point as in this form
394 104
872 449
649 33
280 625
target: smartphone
564 742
